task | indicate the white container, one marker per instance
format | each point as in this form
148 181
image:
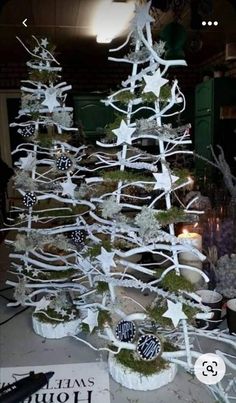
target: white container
134 380
55 331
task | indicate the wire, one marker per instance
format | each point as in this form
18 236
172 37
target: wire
11 317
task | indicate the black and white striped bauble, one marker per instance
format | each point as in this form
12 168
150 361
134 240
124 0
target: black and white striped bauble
29 199
78 237
27 131
63 163
125 330
149 347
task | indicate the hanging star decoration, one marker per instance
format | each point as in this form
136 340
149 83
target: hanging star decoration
164 180
124 133
28 163
42 304
51 95
175 312
44 42
68 188
142 16
154 82
92 319
106 260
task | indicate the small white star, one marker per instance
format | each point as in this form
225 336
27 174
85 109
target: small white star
63 313
22 216
92 319
35 218
35 273
72 316
51 101
106 259
164 180
42 304
44 54
28 163
142 16
175 312
154 83
28 269
44 42
68 188
124 133
36 49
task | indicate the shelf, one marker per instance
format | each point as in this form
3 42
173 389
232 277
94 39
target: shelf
228 112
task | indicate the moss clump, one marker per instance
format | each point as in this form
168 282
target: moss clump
104 317
171 216
46 139
53 275
95 250
54 316
169 347
85 328
156 313
146 368
173 282
102 287
183 175
43 76
125 97
126 176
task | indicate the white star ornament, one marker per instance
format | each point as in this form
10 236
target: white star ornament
124 133
51 101
154 83
68 188
28 163
174 312
164 181
42 304
106 260
92 319
142 16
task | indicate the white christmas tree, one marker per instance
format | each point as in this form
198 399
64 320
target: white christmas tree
50 224
135 194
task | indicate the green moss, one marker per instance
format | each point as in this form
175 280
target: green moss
110 136
85 327
169 347
104 317
53 274
171 216
128 359
124 97
183 175
156 315
95 250
102 287
53 314
43 76
150 97
173 283
126 176
47 139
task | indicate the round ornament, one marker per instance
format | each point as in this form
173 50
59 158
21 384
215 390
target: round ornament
148 347
125 330
63 163
27 131
78 237
29 199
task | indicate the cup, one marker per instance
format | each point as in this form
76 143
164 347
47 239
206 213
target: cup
231 315
215 301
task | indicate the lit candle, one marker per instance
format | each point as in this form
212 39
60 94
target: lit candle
188 258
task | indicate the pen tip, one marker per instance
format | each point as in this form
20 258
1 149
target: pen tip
49 375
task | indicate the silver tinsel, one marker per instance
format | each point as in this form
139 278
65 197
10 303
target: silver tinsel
63 118
24 182
148 225
110 207
21 292
38 240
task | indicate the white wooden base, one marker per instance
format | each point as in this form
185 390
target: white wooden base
134 380
52 331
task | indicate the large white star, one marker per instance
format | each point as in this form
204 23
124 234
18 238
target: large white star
174 312
28 163
68 188
106 259
164 180
42 304
142 16
124 133
51 101
92 319
154 82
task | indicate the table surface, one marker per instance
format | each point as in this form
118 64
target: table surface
20 346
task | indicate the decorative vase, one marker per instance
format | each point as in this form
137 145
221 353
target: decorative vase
231 315
136 381
215 301
55 331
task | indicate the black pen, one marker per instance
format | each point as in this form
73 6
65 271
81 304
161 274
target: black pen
20 390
